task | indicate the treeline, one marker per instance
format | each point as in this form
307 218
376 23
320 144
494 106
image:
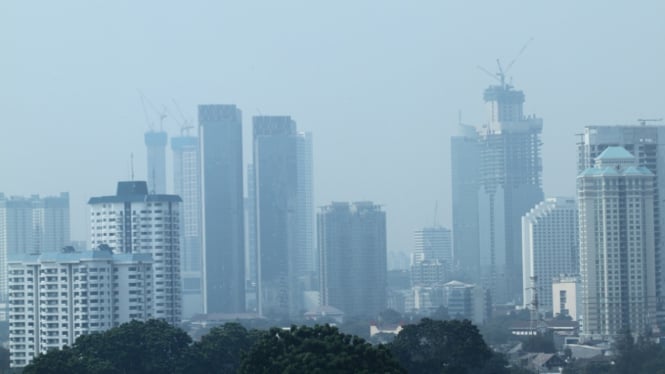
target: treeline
430 346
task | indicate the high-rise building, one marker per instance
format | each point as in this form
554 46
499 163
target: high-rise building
617 244
308 260
503 167
220 140
465 179
433 243
550 248
352 250
644 142
135 221
31 224
56 297
187 185
155 142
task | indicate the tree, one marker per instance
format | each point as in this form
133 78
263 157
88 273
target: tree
319 349
221 349
453 346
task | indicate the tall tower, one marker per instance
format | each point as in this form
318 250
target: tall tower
644 142
352 249
220 140
550 247
50 220
509 185
155 142
617 244
135 221
465 179
187 185
308 262
276 173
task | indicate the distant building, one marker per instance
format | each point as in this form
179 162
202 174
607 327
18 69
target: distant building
135 221
31 224
352 249
427 273
617 244
467 301
220 144
187 185
566 297
56 297
550 247
155 142
433 243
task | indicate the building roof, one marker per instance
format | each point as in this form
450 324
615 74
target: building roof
615 153
131 192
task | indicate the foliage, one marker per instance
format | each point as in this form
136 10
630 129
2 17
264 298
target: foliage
321 349
453 346
221 350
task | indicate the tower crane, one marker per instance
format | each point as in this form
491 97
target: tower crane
500 76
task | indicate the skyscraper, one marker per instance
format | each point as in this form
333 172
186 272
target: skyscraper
155 142
433 243
550 248
220 140
31 224
276 189
465 179
644 142
617 244
135 221
352 249
308 262
508 166
187 185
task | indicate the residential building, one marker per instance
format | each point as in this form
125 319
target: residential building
617 244
187 185
550 247
135 221
352 249
566 297
55 297
220 144
155 142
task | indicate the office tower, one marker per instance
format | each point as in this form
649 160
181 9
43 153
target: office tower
308 260
187 185
135 221
352 249
276 177
155 142
31 224
617 244
550 248
250 207
465 178
220 140
466 301
643 142
433 243
56 297
509 185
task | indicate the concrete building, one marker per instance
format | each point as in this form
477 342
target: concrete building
467 301
155 142
31 224
433 243
135 221
550 247
617 244
220 142
284 217
427 273
643 142
352 249
55 297
187 185
566 298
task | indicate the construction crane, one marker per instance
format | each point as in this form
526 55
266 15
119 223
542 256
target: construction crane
643 121
500 76
162 114
184 123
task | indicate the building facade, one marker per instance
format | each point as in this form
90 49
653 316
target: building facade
135 221
220 144
550 247
155 142
617 244
352 249
187 185
56 297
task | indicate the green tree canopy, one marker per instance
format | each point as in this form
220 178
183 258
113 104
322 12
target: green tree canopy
319 349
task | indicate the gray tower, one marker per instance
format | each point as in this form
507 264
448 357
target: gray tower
220 140
155 142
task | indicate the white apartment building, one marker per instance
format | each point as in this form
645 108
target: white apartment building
134 221
617 244
566 300
550 247
55 297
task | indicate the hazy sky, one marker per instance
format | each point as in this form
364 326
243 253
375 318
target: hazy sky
379 83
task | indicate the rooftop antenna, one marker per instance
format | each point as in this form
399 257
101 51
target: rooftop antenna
131 166
436 213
